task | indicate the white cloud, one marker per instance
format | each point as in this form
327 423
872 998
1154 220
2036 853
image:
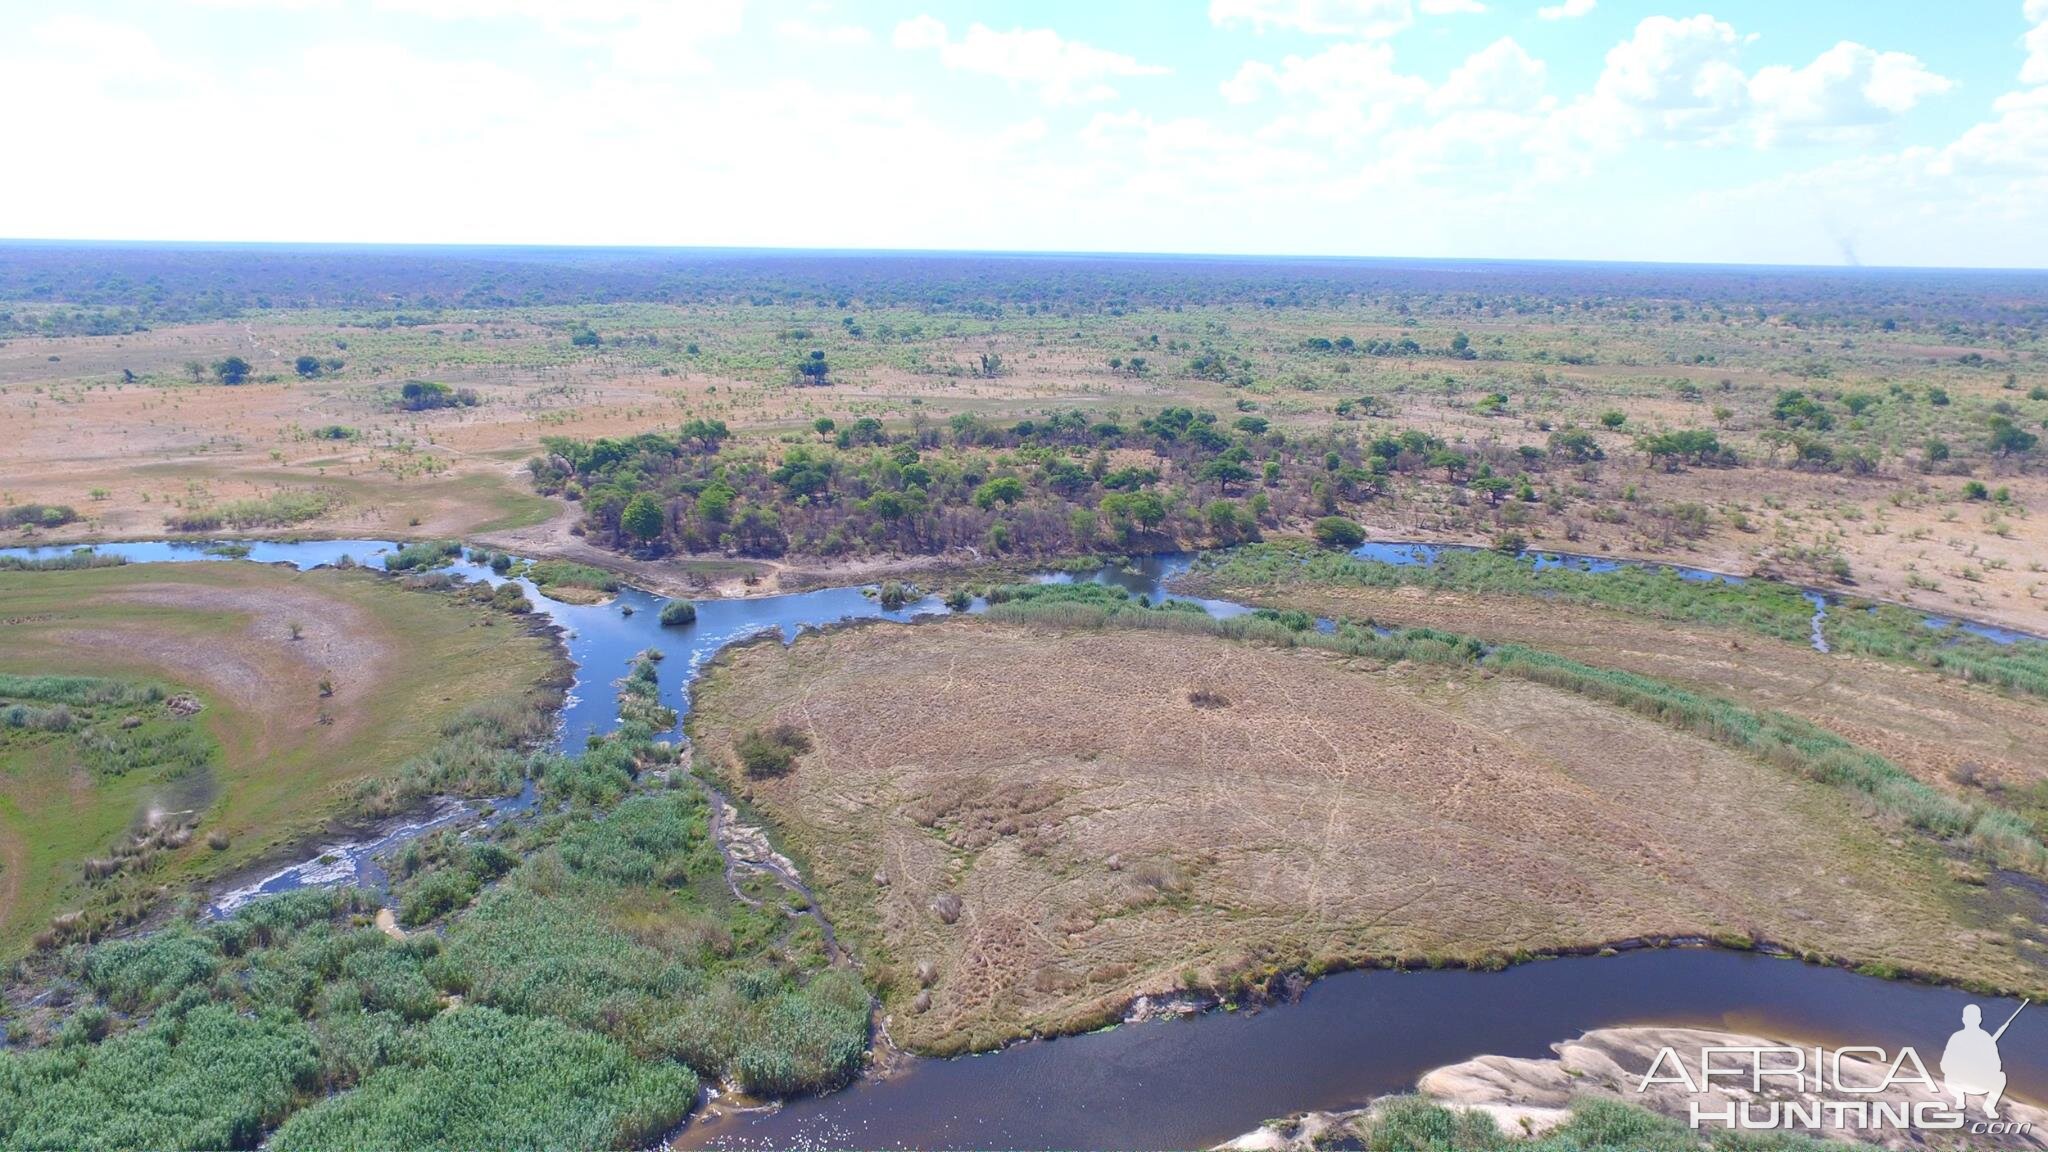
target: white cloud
1452 7
1341 94
2035 70
1676 78
832 35
269 5
648 37
1846 89
101 49
1369 19
2016 142
1501 75
918 32
1568 10
1061 71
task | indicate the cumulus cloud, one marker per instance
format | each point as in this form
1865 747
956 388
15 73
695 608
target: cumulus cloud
1676 78
2035 70
1369 19
1568 10
1059 70
2015 142
1846 89
1501 75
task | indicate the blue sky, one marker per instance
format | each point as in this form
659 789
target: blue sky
1902 132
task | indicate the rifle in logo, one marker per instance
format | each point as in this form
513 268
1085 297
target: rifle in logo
1970 1064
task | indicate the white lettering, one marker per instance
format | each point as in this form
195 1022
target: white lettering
1683 1077
1725 1116
1919 1075
1843 1085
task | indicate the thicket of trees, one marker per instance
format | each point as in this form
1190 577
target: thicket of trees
1067 484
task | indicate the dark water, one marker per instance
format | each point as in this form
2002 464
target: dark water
1197 1082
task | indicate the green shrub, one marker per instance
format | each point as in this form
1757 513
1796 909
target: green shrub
1338 532
766 753
36 516
485 1079
678 612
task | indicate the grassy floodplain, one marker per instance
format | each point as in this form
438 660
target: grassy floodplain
299 698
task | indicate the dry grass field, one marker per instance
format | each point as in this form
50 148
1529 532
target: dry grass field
1042 825
1950 734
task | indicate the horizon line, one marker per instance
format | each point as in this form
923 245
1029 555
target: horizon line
1008 253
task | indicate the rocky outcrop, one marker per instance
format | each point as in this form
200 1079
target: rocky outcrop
1531 1096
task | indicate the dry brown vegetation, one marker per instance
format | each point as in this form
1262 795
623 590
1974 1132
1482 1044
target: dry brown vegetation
1042 825
1949 734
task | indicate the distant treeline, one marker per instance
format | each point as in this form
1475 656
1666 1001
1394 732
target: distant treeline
67 288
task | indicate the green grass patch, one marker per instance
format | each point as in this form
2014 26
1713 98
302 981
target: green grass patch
278 510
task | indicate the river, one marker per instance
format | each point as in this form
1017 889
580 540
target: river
1196 1081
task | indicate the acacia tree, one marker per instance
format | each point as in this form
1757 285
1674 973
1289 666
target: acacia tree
233 370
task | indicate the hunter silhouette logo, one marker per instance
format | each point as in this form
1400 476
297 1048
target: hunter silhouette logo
1854 1089
1970 1065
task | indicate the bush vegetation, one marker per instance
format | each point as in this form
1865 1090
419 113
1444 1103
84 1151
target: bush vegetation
425 395
278 510
766 753
36 516
551 576
423 554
